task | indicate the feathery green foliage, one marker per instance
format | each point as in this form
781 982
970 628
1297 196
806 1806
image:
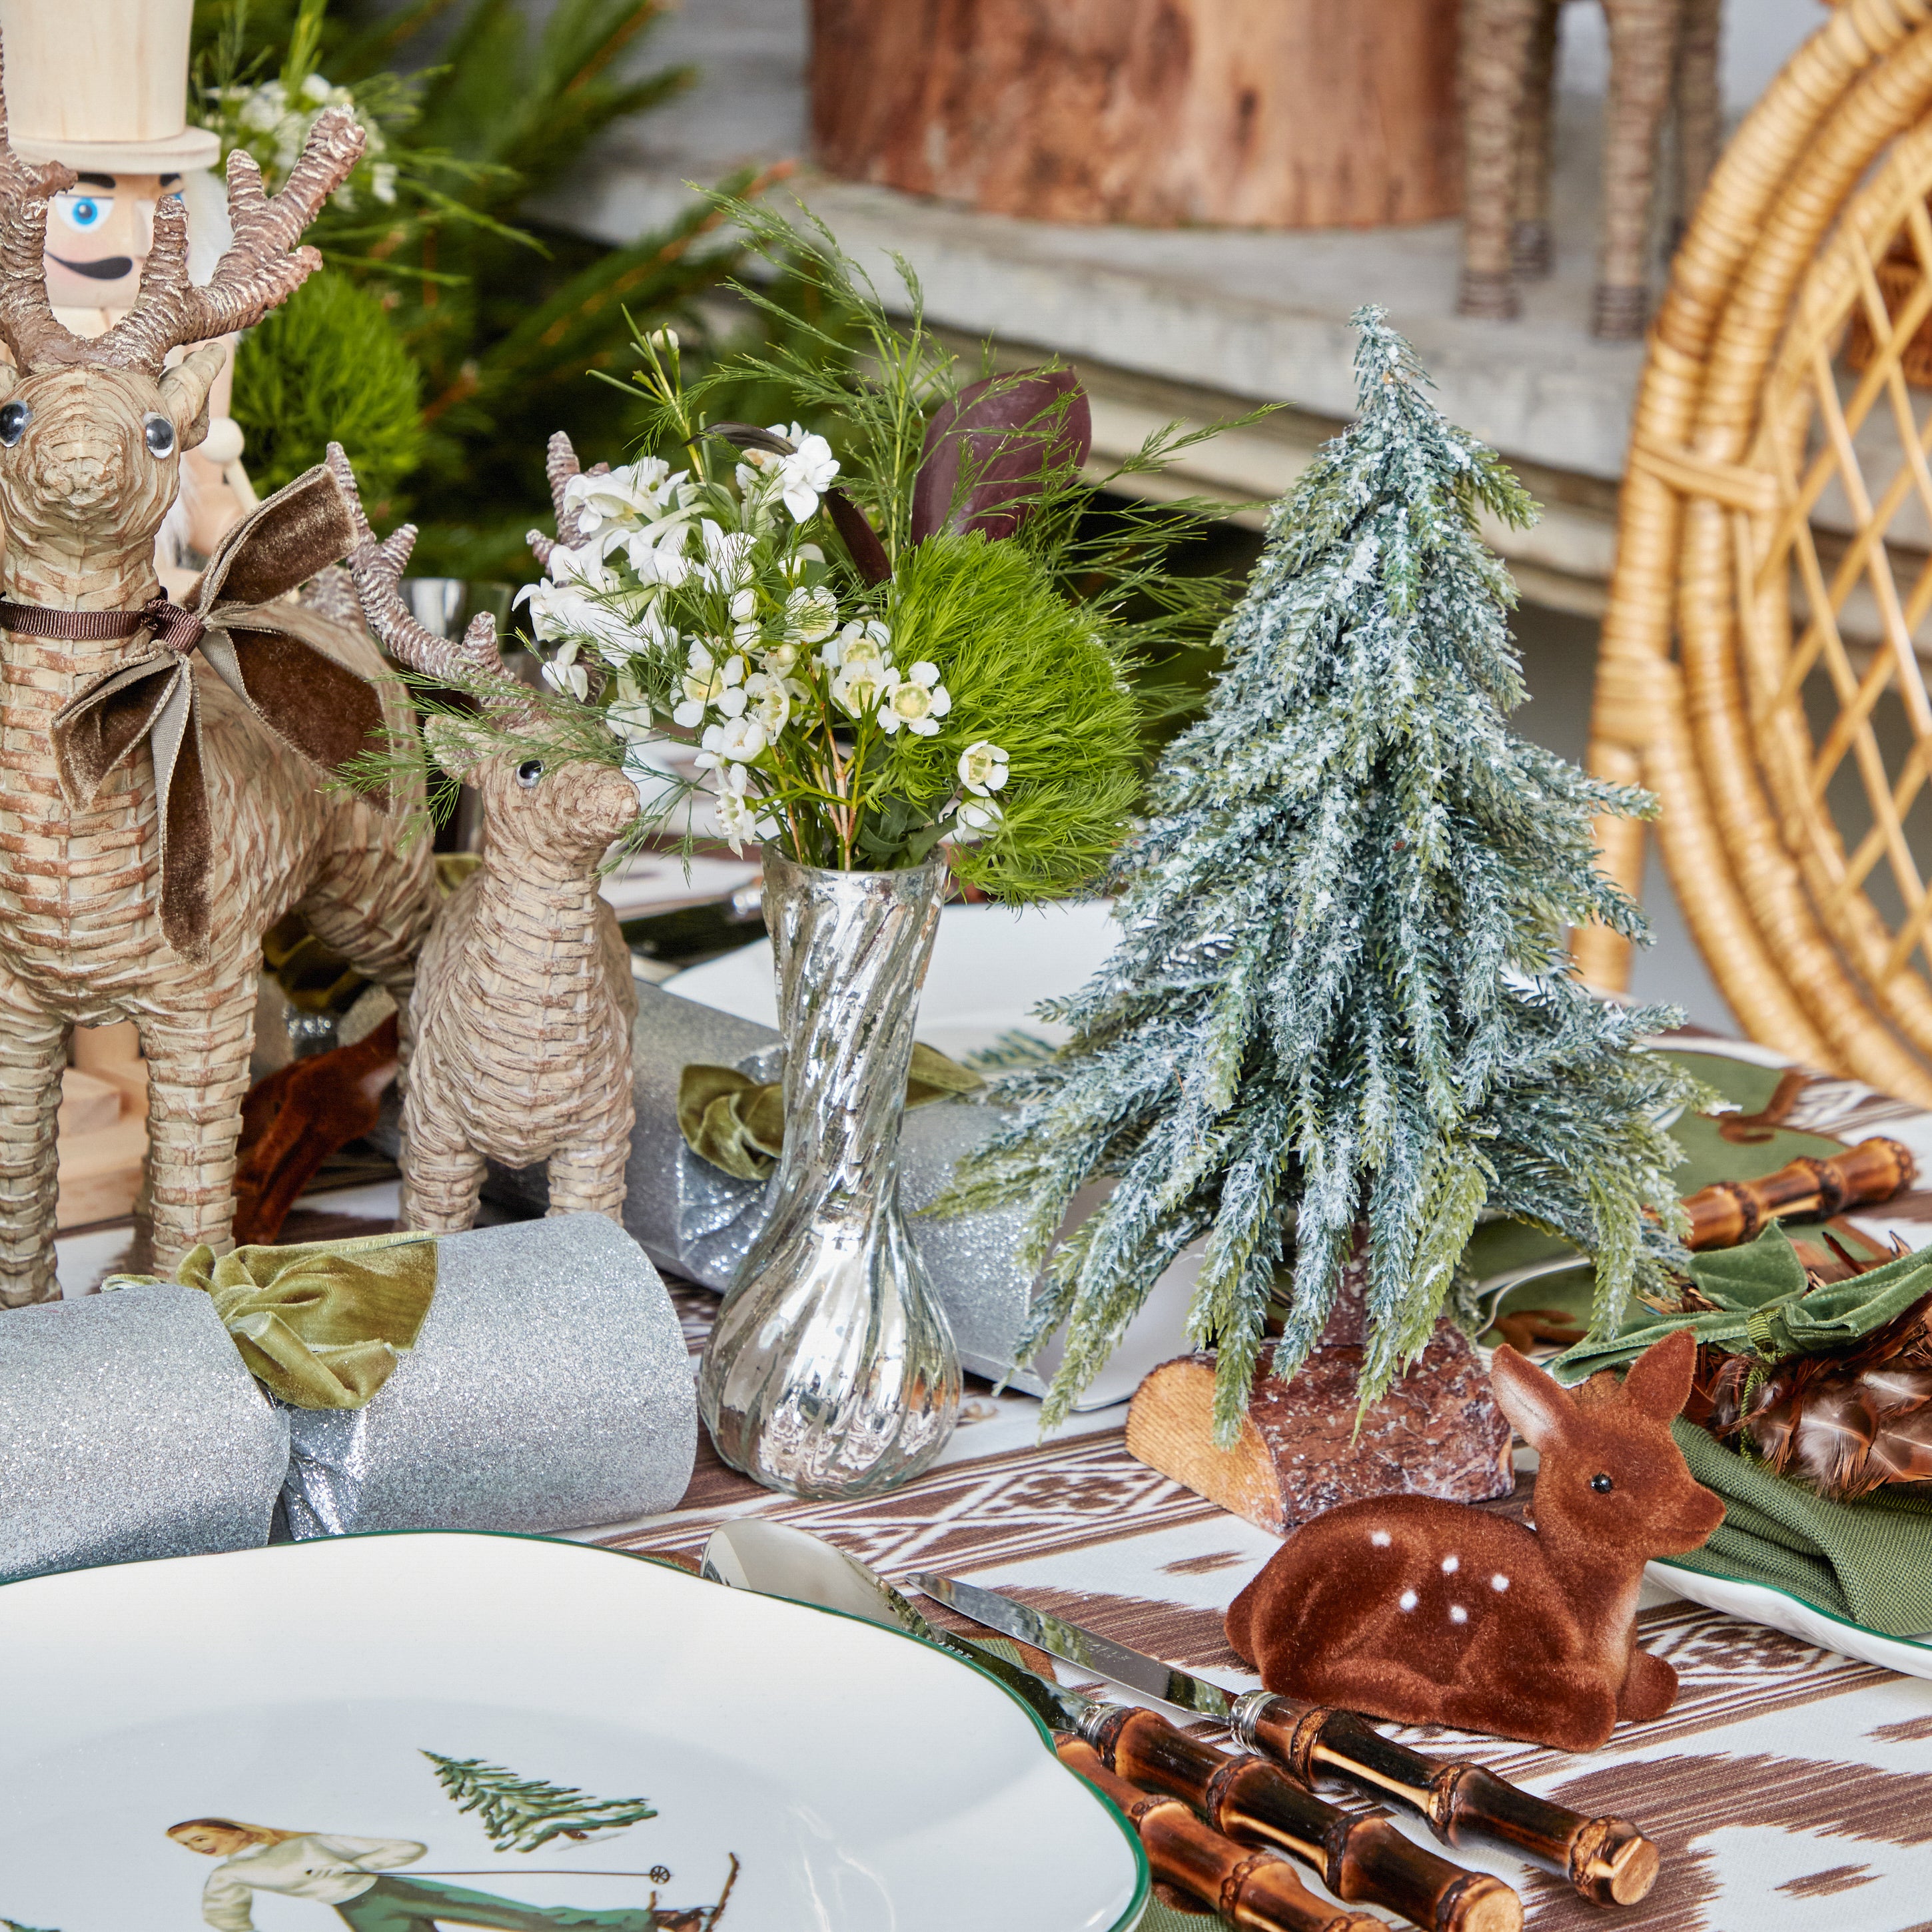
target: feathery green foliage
1342 998
523 1814
1030 671
327 367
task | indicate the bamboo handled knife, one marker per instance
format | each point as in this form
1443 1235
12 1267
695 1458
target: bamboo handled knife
1607 1860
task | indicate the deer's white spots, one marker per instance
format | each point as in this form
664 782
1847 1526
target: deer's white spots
1379 1538
1407 1600
1499 1582
1457 1615
1451 1565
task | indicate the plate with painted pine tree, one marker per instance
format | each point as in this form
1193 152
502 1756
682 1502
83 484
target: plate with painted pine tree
408 1732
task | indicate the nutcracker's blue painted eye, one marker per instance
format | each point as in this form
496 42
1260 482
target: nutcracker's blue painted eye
159 435
84 213
14 418
528 773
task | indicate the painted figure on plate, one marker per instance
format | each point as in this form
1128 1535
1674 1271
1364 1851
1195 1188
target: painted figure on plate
360 1879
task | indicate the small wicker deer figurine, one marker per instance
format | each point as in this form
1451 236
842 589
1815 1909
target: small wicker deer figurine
162 791
524 1001
1433 1612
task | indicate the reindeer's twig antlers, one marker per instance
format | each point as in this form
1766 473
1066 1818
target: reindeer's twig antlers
560 465
377 569
262 268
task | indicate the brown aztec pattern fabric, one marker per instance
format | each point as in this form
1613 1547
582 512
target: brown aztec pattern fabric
1789 1788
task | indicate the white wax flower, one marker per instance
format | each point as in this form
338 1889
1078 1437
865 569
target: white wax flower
626 496
737 820
770 703
862 648
860 693
983 768
744 605
705 681
977 818
656 553
811 614
807 473
779 658
918 701
727 556
738 739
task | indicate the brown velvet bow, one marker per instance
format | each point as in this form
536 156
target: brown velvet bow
260 648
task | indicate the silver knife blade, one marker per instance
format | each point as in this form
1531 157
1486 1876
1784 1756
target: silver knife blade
1100 1654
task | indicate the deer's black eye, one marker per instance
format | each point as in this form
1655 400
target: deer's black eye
529 772
1601 1483
159 435
14 418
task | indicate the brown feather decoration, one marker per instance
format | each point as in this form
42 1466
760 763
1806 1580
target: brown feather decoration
1845 1424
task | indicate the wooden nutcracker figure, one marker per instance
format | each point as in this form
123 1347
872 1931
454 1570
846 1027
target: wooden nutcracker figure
102 86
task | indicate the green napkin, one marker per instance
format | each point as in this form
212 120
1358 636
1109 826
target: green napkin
737 1124
1869 1562
322 1324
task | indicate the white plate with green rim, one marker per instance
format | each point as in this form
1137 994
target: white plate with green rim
1762 1603
398 1733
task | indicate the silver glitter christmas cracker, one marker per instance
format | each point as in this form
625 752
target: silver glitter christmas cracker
129 1428
550 1389
698 1222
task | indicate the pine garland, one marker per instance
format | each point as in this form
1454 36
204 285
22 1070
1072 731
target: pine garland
523 1814
1343 996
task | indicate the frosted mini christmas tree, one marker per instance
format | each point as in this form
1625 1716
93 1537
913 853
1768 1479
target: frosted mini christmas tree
1340 1025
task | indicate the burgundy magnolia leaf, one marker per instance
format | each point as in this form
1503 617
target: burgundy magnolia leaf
862 541
1004 433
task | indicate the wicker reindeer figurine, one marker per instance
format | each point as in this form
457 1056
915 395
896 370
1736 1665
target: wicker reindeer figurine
522 1014
1434 1613
160 801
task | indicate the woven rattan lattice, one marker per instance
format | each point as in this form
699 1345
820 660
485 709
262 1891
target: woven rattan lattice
1763 663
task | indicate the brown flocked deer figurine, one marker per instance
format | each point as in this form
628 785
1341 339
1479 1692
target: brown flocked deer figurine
163 798
522 1015
1428 1612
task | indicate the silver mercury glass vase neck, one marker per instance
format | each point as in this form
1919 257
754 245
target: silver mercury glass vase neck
831 1370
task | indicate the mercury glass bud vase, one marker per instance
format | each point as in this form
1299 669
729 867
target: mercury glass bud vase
831 1371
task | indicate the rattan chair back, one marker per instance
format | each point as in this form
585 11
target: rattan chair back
1762 667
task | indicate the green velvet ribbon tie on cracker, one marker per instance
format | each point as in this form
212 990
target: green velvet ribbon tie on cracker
737 1124
323 1324
1759 1301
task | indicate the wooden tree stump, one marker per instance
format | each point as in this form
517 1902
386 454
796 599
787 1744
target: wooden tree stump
1254 113
1437 1432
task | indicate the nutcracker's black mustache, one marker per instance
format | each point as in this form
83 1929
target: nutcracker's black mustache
109 268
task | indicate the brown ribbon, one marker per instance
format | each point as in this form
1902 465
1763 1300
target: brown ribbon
180 630
266 651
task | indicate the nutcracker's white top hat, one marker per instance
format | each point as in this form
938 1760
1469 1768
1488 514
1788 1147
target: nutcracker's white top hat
102 84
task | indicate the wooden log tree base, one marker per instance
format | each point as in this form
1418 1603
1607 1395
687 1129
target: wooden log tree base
1437 1432
1253 113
